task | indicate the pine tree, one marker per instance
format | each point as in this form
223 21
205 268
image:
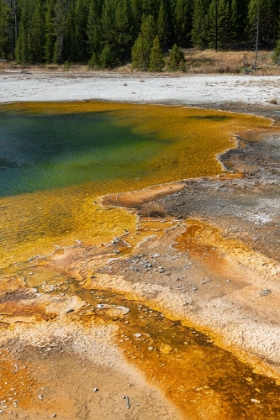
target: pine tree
176 59
107 58
80 23
234 19
139 61
61 10
117 29
150 8
80 30
22 54
136 16
49 32
22 49
162 24
5 33
156 56
221 37
70 40
123 30
224 24
276 53
183 21
199 21
94 31
36 34
143 45
268 19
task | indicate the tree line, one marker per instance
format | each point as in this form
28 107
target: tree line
109 33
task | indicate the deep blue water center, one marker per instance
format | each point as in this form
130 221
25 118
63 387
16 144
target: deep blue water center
39 152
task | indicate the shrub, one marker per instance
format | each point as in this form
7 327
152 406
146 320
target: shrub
276 54
156 56
107 58
93 63
176 59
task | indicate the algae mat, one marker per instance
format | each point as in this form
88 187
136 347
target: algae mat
59 158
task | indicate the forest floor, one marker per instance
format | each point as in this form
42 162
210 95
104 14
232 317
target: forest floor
210 258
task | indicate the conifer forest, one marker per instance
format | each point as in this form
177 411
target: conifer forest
110 33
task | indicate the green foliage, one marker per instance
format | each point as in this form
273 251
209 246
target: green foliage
183 21
142 48
268 19
111 32
29 46
162 24
60 21
5 35
276 53
224 28
93 28
107 58
199 23
176 59
66 66
117 29
156 56
49 32
93 63
234 20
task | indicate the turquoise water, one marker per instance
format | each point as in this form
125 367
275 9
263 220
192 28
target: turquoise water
39 152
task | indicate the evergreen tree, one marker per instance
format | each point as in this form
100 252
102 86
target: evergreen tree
61 10
223 32
156 56
22 50
183 22
162 24
36 34
150 8
123 30
70 42
199 31
93 63
81 30
117 29
276 53
136 16
176 59
139 60
234 19
107 58
143 45
5 33
49 32
80 23
94 31
268 13
224 24
242 13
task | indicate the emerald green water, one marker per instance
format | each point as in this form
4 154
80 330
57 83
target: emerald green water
40 152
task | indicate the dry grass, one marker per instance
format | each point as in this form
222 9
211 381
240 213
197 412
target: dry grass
232 62
197 62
